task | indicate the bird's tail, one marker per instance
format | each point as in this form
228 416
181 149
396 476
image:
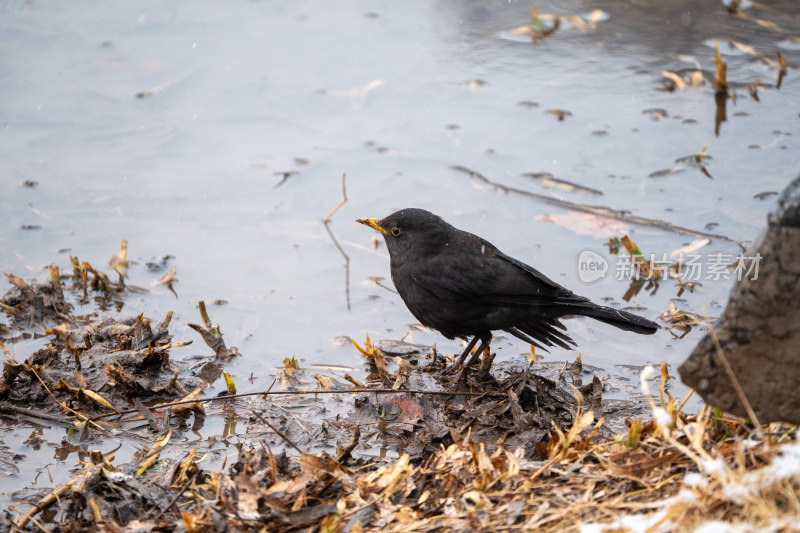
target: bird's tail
620 319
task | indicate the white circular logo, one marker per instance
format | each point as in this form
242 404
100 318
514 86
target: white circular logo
591 266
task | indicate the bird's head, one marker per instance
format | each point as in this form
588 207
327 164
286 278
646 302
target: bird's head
411 227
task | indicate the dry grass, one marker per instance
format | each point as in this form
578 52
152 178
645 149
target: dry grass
671 473
674 479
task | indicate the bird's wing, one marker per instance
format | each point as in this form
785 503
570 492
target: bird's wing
491 277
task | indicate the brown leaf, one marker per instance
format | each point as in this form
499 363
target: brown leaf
17 282
169 277
315 465
119 262
720 72
99 399
196 406
411 410
325 381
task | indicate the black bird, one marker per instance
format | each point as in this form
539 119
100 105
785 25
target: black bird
463 286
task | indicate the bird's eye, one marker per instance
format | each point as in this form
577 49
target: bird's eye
396 231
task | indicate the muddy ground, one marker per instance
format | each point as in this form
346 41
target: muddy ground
105 377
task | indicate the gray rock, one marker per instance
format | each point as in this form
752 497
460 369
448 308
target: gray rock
759 330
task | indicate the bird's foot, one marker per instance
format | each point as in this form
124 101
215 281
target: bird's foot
451 374
483 375
452 369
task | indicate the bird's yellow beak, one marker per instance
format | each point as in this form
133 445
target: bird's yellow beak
372 223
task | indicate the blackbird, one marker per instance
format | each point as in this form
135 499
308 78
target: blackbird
463 286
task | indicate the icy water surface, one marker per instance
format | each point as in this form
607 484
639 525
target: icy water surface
174 125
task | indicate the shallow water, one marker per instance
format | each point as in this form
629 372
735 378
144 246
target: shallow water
242 92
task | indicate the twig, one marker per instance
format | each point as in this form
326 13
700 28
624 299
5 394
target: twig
278 432
147 415
45 502
594 209
739 391
325 223
286 175
35 522
379 284
63 406
211 333
344 201
354 381
178 495
6 407
345 453
301 393
53 484
293 416
8 355
686 399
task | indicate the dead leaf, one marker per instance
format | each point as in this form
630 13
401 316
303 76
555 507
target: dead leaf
197 407
587 224
99 399
781 69
325 381
720 72
119 262
169 277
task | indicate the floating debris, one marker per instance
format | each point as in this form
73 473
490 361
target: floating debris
548 180
613 245
560 114
689 78
721 89
742 47
781 69
656 113
764 195
286 174
119 262
697 161
601 211
753 89
212 335
688 285
587 224
681 321
544 25
168 279
666 172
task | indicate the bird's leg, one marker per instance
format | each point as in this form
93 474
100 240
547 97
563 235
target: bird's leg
484 346
460 361
487 361
463 355
483 375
